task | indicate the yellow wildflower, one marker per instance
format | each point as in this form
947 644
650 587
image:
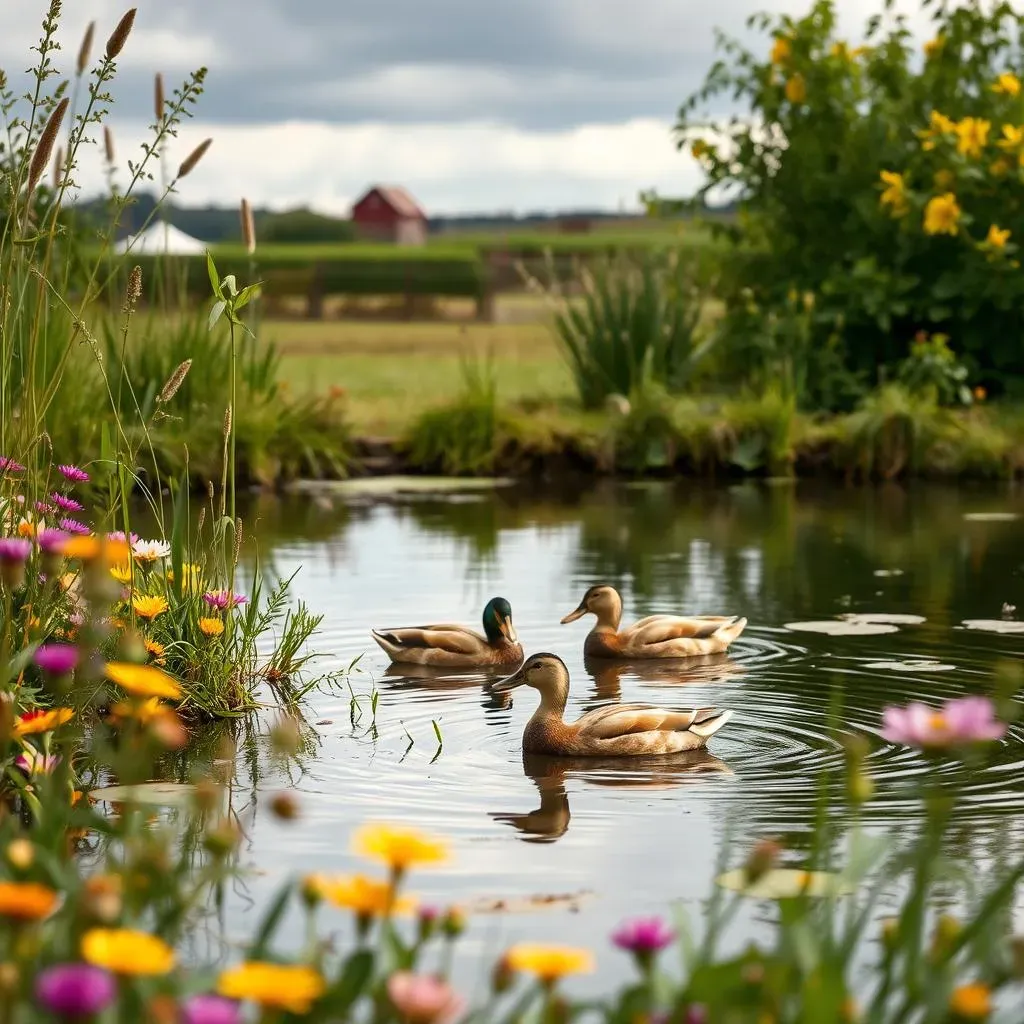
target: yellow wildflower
1013 138
85 549
283 986
942 215
42 721
122 572
211 627
26 529
142 680
364 896
938 125
796 89
126 951
934 47
997 237
148 607
894 195
1008 84
399 848
155 651
843 51
971 1002
781 51
972 136
26 901
548 963
192 576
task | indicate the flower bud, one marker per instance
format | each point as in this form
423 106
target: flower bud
427 922
947 928
20 853
103 900
453 924
8 981
502 976
890 934
223 839
311 891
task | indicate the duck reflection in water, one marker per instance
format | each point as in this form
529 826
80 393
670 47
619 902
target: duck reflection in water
608 675
550 821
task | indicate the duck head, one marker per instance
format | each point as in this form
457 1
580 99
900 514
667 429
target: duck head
498 621
602 601
546 673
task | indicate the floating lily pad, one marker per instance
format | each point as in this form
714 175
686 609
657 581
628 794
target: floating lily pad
994 625
991 517
159 794
911 666
571 901
883 618
785 883
839 627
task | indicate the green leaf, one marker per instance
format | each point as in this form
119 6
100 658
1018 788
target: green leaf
231 285
269 924
352 982
211 269
180 503
216 313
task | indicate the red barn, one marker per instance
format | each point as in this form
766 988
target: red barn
390 214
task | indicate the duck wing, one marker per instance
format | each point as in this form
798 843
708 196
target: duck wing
625 719
441 636
656 629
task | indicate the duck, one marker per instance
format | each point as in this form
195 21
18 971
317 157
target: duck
656 636
452 646
617 730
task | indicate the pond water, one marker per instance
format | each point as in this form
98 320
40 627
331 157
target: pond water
628 838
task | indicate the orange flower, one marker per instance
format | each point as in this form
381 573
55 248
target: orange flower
149 607
142 680
33 722
155 651
365 897
26 901
971 1002
549 963
211 627
796 89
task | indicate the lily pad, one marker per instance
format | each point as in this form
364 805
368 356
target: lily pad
786 883
884 618
839 627
159 794
911 666
994 625
991 517
571 901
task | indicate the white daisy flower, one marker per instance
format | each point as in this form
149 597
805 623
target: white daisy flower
150 550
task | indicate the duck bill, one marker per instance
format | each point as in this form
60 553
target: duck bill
577 614
508 631
509 683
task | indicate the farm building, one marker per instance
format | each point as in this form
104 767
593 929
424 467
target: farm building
390 214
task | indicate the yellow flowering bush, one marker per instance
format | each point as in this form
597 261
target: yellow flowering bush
885 178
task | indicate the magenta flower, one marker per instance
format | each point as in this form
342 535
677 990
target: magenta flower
66 503
222 599
57 659
10 466
46 510
422 999
74 474
52 541
643 936
958 722
74 526
120 535
209 1009
34 762
14 550
75 991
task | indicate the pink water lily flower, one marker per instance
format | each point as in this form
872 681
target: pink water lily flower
422 999
957 723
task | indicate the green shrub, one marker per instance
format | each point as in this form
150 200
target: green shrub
757 433
303 226
932 370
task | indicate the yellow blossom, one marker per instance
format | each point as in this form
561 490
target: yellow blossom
142 680
42 721
934 47
283 986
125 951
1007 83
192 576
155 651
796 89
122 572
938 125
972 136
26 901
942 215
781 51
148 607
894 195
699 149
399 848
211 627
86 549
548 963
971 1002
26 529
997 237
1013 138
843 51
364 896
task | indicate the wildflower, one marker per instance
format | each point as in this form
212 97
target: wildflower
782 50
74 526
119 535
1013 138
960 721
980 394
972 136
33 722
75 991
56 659
27 528
74 474
399 848
938 126
894 194
67 504
45 510
1007 83
971 1002
52 541
223 599
155 650
283 986
191 574
32 762
210 1009
142 680
422 999
453 924
149 606
20 854
26 901
933 47
150 550
126 951
121 572
643 938
549 963
13 553
10 466
997 236
211 627
942 215
796 89
365 897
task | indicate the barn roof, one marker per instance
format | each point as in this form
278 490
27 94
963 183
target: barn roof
398 199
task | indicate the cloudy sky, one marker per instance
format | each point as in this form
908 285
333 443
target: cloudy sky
473 106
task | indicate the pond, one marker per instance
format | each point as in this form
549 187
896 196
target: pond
626 838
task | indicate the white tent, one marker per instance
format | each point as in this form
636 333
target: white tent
161 239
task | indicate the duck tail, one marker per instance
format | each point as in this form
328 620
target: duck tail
711 724
388 642
730 631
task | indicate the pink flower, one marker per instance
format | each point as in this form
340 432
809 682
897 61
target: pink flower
46 510
222 599
643 936
74 526
51 541
422 999
958 722
66 503
10 466
74 474
34 762
57 659
120 535
14 549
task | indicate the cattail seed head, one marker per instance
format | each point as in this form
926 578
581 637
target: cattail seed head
248 228
170 389
134 289
209 489
108 144
41 157
158 97
58 168
115 44
227 421
85 50
189 163
202 519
